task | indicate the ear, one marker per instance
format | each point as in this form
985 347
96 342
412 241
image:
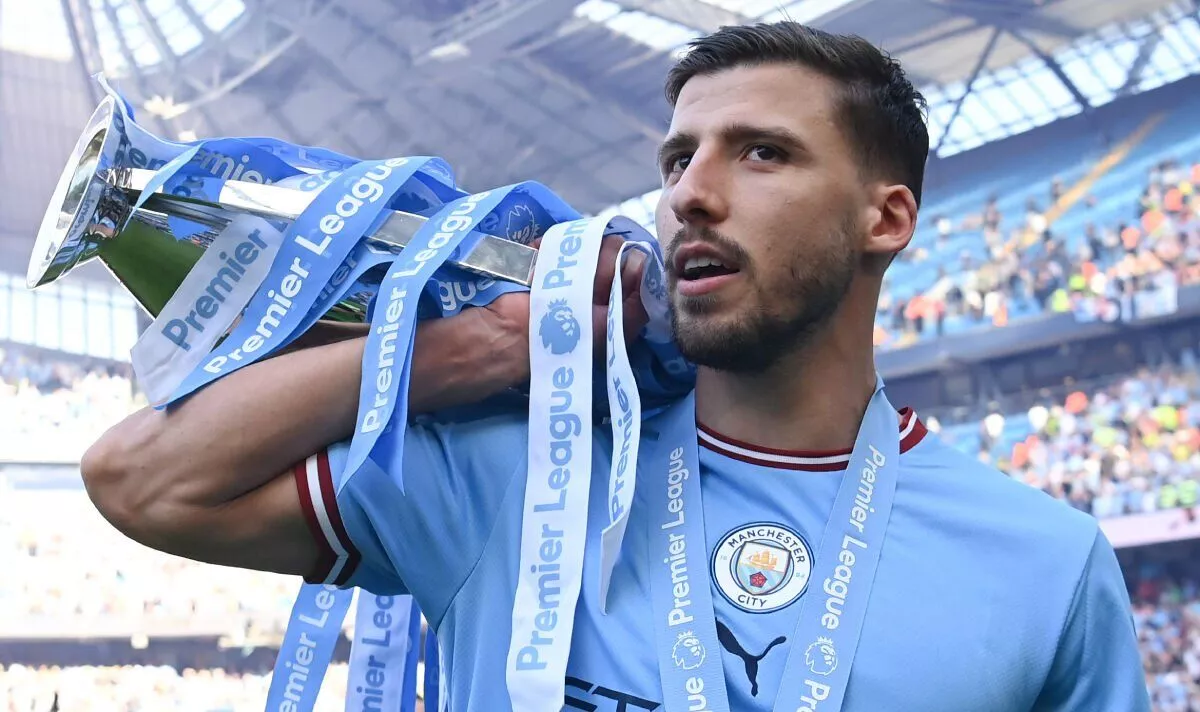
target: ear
892 218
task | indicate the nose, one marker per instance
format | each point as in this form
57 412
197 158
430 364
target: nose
699 196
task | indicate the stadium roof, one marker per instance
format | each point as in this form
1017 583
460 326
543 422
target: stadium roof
943 41
569 92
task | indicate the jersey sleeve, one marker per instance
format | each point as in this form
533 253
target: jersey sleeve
1097 665
425 540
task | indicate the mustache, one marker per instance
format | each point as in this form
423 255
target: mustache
708 236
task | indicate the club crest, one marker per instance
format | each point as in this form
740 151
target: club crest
762 567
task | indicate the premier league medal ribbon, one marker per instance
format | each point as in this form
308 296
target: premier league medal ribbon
625 416
307 647
383 400
554 514
316 244
383 654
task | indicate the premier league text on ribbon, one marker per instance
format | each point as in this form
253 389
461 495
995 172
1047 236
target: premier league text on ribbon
677 560
219 165
457 221
367 189
565 429
677 472
837 587
624 421
304 653
376 633
205 307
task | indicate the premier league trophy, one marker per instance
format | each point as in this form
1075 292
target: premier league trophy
106 206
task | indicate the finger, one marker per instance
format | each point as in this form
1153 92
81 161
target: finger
631 272
609 248
635 316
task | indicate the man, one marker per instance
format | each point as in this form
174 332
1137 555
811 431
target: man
792 174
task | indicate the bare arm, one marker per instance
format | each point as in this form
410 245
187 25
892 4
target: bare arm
210 479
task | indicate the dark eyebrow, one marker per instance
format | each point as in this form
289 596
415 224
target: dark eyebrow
749 133
736 133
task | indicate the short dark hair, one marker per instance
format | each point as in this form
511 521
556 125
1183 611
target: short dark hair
883 113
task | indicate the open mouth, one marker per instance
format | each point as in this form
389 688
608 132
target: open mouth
704 267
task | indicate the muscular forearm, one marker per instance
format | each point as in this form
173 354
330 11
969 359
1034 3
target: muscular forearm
242 430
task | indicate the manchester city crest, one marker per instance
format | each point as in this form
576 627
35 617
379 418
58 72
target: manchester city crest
762 567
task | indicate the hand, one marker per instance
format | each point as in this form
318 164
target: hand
634 312
509 313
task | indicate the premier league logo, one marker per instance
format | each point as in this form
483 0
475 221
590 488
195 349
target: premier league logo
821 657
762 567
559 329
688 652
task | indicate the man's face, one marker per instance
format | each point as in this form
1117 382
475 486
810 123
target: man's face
759 178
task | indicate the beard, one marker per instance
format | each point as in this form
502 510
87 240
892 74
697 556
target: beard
783 318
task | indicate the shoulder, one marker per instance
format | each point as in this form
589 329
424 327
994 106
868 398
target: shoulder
962 491
1022 551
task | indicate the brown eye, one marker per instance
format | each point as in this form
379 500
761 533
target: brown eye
677 164
764 153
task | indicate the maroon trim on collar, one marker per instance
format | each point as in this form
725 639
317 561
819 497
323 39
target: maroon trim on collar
912 431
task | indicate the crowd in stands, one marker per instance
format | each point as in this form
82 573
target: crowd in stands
65 567
1131 266
52 409
144 688
1166 611
1126 446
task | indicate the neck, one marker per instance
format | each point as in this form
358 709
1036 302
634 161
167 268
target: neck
812 399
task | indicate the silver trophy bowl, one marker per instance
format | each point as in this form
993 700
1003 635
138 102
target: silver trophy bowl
92 214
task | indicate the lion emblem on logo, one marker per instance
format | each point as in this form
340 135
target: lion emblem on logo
821 657
688 652
559 329
522 224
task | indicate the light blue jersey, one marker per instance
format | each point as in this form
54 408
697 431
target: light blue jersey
989 596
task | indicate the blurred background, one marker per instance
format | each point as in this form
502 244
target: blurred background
1046 318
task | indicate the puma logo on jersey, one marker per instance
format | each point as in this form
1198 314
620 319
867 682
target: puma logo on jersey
730 643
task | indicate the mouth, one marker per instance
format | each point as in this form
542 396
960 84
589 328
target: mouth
701 268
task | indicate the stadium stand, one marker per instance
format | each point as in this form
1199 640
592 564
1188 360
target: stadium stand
1126 446
1167 614
1078 235
55 407
138 688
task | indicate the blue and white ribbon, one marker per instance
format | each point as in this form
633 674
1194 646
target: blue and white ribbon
307 648
383 654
